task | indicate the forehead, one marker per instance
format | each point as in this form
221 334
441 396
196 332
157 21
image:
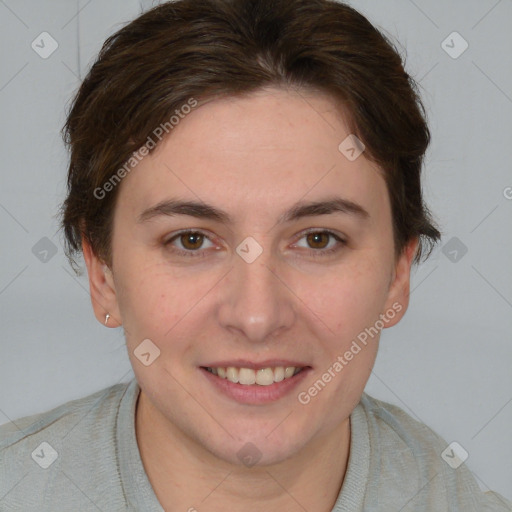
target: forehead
268 148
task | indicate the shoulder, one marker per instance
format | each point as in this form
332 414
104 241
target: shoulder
407 455
71 446
59 418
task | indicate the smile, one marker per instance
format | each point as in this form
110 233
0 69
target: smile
255 382
249 376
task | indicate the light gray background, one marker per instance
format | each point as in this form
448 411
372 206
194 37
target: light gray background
448 363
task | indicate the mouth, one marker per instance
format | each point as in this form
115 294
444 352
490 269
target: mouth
264 376
255 383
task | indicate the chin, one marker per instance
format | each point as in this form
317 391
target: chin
253 455
258 448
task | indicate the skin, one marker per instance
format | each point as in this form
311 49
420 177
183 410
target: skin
253 157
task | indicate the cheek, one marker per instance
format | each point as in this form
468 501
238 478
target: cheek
348 299
163 304
151 301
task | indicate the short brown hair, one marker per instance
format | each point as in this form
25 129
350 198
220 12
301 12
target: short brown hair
212 48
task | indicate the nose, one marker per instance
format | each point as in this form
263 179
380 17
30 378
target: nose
255 300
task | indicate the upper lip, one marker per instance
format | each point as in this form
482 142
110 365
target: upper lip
244 363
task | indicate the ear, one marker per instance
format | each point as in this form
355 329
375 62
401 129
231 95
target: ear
102 288
399 288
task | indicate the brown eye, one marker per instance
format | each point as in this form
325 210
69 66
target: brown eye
191 241
318 240
321 243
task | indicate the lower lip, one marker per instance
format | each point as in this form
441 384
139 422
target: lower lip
255 394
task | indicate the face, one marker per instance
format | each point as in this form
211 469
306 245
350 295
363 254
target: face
262 281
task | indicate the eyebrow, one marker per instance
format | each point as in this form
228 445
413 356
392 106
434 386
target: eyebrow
201 210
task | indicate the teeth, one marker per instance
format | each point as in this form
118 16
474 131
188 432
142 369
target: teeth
232 374
246 376
278 374
262 376
265 377
289 372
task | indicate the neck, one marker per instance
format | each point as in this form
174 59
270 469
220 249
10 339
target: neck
185 476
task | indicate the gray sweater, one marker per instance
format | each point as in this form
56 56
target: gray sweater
83 456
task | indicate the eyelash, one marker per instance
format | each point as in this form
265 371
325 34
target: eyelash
201 254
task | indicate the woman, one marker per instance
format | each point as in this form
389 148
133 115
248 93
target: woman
245 187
